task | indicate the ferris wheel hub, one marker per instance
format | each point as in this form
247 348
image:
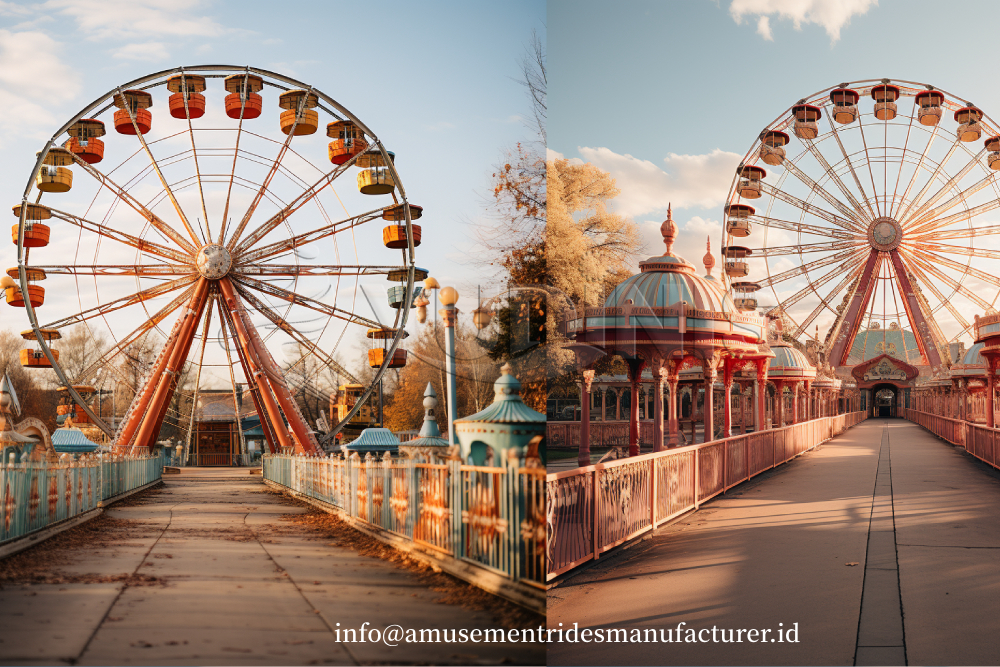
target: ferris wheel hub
214 261
885 234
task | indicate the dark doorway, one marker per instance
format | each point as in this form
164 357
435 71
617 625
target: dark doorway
884 400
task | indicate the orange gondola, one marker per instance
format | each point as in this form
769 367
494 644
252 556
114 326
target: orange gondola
36 234
186 88
84 140
348 141
133 103
299 118
243 98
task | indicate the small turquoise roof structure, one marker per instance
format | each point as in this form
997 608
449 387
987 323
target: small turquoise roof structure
72 441
505 424
374 440
429 440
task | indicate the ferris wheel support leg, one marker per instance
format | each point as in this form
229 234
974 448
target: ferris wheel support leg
859 303
166 382
260 378
915 313
146 395
303 434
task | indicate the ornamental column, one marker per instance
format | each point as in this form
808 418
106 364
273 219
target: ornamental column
727 397
635 367
990 386
673 379
795 403
659 377
584 455
761 386
710 374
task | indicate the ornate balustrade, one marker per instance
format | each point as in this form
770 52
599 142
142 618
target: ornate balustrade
597 507
37 494
492 517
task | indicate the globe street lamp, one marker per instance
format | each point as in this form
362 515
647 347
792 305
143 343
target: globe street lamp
449 297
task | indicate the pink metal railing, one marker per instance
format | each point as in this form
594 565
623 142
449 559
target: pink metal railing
978 439
597 507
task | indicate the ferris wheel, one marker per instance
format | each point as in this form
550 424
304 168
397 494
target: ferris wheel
215 245
869 213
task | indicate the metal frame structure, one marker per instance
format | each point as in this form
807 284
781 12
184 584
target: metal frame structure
872 223
168 254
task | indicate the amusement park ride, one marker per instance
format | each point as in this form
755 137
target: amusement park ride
214 209
866 211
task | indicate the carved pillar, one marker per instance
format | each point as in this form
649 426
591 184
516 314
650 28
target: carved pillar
659 377
635 367
727 398
795 403
584 454
710 375
673 380
761 387
991 379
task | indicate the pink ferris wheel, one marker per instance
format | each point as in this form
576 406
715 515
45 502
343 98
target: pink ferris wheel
866 217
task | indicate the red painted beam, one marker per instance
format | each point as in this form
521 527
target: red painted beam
166 382
303 434
859 303
914 313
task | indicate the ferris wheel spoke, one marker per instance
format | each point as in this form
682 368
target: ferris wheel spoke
930 339
822 280
123 302
809 266
158 223
935 259
294 333
156 167
313 304
824 302
899 173
850 163
778 251
868 161
802 228
299 240
858 302
316 270
149 247
928 231
916 171
949 204
201 363
812 209
982 253
925 209
304 198
270 174
930 181
815 187
137 333
966 233
924 281
143 270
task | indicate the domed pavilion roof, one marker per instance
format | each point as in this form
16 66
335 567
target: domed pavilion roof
668 298
971 364
789 364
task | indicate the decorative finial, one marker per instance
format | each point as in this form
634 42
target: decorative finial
430 428
708 259
669 231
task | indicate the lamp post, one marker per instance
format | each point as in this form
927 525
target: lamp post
449 297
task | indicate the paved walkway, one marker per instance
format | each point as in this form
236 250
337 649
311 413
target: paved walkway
883 545
205 571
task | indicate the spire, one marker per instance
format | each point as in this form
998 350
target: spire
430 428
669 231
708 259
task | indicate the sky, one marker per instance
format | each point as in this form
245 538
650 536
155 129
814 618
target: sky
437 82
669 96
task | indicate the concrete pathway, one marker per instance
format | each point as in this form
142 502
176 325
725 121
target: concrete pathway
883 545
205 571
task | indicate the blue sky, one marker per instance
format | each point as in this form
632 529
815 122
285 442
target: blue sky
437 82
668 96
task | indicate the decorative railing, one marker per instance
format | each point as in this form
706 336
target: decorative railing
37 494
978 439
597 507
490 516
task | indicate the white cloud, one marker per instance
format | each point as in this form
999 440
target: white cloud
831 15
32 79
142 51
688 180
124 19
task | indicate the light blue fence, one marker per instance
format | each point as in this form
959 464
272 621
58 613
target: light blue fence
490 516
36 494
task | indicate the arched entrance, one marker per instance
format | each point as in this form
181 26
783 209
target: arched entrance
884 400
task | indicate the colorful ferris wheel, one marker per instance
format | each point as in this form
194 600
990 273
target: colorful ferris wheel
214 248
866 216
